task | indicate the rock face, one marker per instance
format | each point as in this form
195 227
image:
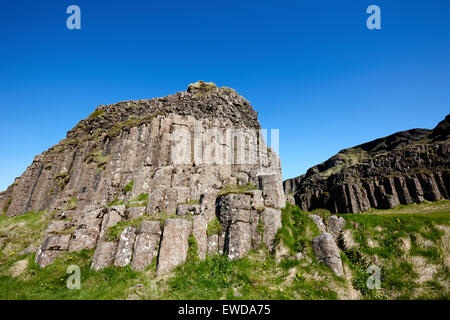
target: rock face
406 167
141 161
246 221
174 244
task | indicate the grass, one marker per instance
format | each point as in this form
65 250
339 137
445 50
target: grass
6 205
72 204
20 232
115 202
98 158
138 201
192 201
260 275
95 114
114 232
62 179
214 227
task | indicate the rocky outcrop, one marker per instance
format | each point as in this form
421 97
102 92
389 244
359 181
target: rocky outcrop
137 179
182 147
406 167
327 252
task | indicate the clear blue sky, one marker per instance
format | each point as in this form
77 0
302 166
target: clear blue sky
310 68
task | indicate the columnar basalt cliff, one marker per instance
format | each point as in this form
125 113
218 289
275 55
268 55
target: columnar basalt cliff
167 165
405 167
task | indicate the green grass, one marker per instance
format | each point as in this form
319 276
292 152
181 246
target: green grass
6 205
237 189
95 114
98 158
260 275
20 232
192 201
114 232
72 204
50 283
128 187
214 227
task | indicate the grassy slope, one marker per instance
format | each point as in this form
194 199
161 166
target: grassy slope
410 244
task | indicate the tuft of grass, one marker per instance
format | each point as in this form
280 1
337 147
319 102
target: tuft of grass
98 158
297 229
95 114
214 227
237 189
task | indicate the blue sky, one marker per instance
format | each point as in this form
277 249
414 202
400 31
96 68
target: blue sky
310 68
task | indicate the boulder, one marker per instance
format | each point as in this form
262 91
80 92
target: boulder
257 200
327 252
110 219
58 226
119 209
46 257
54 242
151 227
82 239
174 244
125 247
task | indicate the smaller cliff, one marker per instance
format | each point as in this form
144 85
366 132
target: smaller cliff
405 167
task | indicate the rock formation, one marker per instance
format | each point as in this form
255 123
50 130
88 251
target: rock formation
405 167
162 170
